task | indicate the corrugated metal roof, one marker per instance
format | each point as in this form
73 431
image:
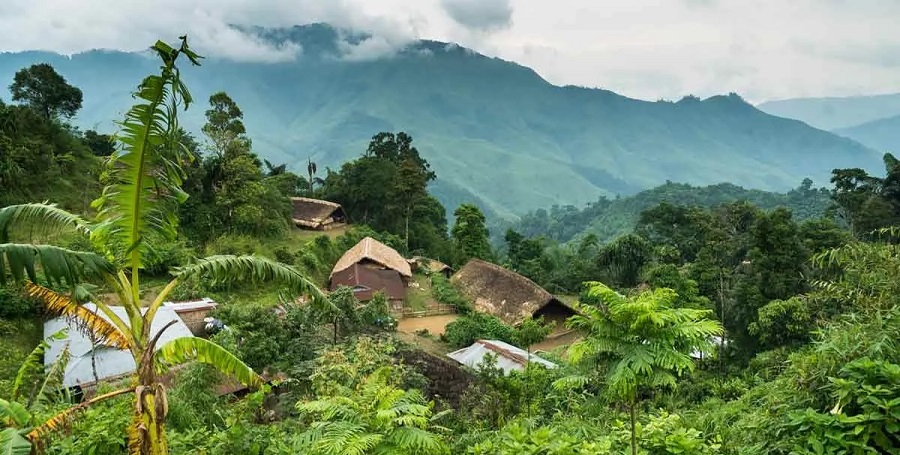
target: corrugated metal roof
110 362
508 356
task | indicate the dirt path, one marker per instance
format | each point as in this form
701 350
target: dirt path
552 343
434 324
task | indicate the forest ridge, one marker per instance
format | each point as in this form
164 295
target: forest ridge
501 136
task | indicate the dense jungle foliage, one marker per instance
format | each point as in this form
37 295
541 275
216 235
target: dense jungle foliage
712 320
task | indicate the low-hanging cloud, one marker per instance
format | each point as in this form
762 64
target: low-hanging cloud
642 48
480 15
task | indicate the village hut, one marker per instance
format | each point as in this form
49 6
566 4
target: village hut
194 313
316 214
508 295
373 254
430 266
509 357
370 267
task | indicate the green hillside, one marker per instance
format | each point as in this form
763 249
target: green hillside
611 218
495 132
835 112
882 134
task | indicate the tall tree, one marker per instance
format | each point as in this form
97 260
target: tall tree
246 200
470 235
224 124
143 184
46 91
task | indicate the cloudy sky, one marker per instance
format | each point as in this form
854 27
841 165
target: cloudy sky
762 49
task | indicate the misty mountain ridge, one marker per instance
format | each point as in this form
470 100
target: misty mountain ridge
873 121
496 133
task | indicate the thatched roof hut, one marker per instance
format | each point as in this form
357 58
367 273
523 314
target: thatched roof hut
430 265
506 294
373 253
317 214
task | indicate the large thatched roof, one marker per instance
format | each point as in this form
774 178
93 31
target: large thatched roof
501 292
313 213
371 250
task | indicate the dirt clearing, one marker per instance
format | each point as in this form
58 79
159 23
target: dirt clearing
434 324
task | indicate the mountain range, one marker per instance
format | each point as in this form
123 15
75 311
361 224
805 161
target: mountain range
873 121
495 132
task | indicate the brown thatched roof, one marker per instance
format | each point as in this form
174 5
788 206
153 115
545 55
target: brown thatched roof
371 250
501 292
432 265
366 282
312 213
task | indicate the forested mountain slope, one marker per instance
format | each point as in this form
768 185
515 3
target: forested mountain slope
610 218
495 132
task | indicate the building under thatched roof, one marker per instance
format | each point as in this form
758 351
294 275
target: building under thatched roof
372 253
367 281
507 295
430 265
317 214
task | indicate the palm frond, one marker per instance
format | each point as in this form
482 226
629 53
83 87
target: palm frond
105 332
181 350
42 218
59 265
144 176
63 420
226 269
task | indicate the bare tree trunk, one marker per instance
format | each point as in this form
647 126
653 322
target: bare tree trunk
407 228
633 427
94 357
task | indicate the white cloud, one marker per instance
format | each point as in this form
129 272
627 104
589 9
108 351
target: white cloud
642 48
480 15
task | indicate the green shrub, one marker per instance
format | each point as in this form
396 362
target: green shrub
445 293
477 326
167 255
15 304
234 244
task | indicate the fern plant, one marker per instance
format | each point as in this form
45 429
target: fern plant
642 342
375 418
136 208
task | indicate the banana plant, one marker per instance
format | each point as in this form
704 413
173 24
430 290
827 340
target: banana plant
142 188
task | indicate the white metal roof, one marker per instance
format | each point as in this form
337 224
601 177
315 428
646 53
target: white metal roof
508 356
201 304
110 362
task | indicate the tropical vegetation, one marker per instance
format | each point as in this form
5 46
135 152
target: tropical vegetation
709 320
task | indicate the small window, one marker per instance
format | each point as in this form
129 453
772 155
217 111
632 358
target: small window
359 288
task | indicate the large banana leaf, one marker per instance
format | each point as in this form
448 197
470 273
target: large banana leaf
114 334
13 443
143 178
225 269
39 218
14 414
59 265
63 420
181 350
